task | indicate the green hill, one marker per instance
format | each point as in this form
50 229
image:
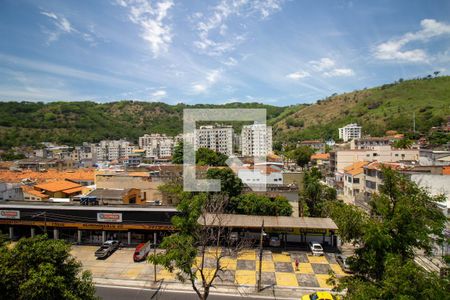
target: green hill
28 123
388 107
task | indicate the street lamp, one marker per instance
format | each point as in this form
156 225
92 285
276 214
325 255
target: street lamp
261 254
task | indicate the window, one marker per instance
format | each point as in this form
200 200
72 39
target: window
355 180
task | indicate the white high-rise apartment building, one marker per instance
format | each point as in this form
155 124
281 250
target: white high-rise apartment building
113 149
350 132
157 145
256 140
217 138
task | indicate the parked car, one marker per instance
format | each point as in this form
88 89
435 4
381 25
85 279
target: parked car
316 248
343 262
141 252
274 241
320 296
107 248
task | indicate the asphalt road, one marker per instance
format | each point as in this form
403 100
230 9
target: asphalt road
125 293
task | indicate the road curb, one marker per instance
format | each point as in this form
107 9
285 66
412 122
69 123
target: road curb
218 289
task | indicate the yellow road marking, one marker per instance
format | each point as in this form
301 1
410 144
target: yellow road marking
246 277
277 257
286 279
317 259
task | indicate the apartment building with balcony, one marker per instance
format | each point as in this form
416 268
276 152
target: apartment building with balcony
350 132
256 140
157 145
218 138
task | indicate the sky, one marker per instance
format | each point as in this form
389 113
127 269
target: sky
278 52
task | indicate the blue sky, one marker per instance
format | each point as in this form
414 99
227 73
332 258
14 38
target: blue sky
276 52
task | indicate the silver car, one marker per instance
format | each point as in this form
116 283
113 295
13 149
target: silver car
316 248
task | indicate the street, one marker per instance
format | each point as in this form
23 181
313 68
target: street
126 293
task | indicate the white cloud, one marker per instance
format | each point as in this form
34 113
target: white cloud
230 62
216 23
61 26
159 93
324 63
199 88
392 50
298 75
211 78
151 18
60 70
343 72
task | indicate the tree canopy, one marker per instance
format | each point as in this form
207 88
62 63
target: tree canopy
260 205
315 194
39 268
301 155
203 156
230 184
403 218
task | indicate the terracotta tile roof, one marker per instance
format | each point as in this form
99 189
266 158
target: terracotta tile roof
261 169
29 190
51 174
321 156
356 168
73 190
356 165
446 170
57 186
138 174
378 165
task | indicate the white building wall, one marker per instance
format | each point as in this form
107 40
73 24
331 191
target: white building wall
256 140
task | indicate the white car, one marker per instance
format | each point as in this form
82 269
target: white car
274 241
316 248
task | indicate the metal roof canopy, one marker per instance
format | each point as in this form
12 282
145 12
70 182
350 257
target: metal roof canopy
248 221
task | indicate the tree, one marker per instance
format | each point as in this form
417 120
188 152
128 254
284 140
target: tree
402 219
315 194
203 156
177 157
230 184
200 226
301 155
208 157
260 205
39 268
403 144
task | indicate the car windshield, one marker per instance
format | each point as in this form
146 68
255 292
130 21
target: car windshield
314 296
317 247
104 247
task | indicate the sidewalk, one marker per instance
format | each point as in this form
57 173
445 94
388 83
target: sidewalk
271 292
240 275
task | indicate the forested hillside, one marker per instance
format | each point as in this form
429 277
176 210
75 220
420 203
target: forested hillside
28 123
391 106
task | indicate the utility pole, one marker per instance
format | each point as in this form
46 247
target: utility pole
154 253
260 255
414 121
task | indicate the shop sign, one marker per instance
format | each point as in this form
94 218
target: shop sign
9 214
109 217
